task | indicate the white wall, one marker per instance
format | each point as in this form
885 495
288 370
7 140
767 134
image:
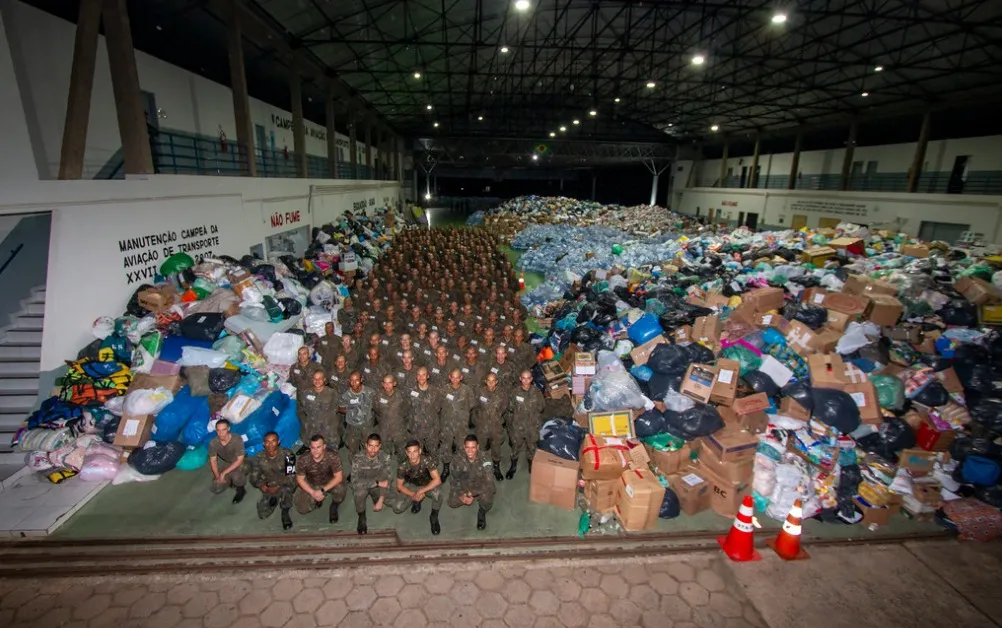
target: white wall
89 275
189 102
16 161
904 212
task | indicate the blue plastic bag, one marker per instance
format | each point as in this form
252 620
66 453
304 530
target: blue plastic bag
196 431
260 422
646 328
193 458
173 418
287 427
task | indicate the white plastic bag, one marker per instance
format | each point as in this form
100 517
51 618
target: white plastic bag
199 356
114 405
103 327
239 408
147 401
677 401
282 348
322 294
857 336
315 319
127 474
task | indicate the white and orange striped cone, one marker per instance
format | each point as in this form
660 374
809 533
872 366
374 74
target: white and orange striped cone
739 544
521 281
787 544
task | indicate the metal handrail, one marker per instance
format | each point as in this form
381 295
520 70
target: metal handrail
11 257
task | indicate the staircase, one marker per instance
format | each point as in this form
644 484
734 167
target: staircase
20 358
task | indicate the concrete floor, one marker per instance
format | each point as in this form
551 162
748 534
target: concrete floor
928 584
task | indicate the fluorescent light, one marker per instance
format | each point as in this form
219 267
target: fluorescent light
879 68
504 49
535 157
417 75
428 107
865 94
670 124
481 118
616 100
552 134
562 129
698 59
576 121
427 196
593 113
650 84
779 18
522 5
715 127
435 125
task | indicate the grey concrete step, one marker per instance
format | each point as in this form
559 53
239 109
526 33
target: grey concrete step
19 368
20 352
18 402
36 308
31 322
19 336
18 385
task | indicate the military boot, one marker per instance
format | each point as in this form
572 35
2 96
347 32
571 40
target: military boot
497 472
415 507
512 469
481 519
362 527
445 472
333 512
435 527
239 497
286 519
528 465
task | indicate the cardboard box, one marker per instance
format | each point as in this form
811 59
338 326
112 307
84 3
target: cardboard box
698 382
725 496
990 315
838 321
789 407
919 462
865 286
914 250
567 357
692 490
872 515
906 333
739 472
584 363
558 389
931 437
638 502
885 310
948 378
725 389
134 430
827 370
604 458
826 340
145 381
865 396
770 319
614 423
800 338
682 334
763 299
580 383
851 304
552 371
157 299
638 455
758 402
707 329
601 494
850 245
817 255
978 291
814 296
731 444
927 491
641 354
669 462
553 481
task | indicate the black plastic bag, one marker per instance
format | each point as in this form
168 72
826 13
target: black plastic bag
761 383
668 359
801 393
90 351
659 384
891 437
932 395
586 313
109 429
813 316
204 326
133 306
988 413
699 354
562 437
835 408
670 506
964 446
991 495
585 334
158 459
650 423
222 379
290 307
696 422
848 480
959 312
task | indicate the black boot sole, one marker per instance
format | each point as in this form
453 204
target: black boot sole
416 507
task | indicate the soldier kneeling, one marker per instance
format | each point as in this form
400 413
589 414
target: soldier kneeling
417 478
472 480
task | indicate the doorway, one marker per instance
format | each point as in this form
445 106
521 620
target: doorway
958 176
744 176
751 221
709 215
828 223
948 232
799 221
741 218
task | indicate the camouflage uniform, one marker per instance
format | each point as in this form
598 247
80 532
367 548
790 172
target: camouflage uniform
372 374
301 376
474 477
457 404
358 417
438 374
327 349
405 379
391 412
524 355
347 319
506 373
424 423
366 472
317 474
473 375
267 471
416 477
318 414
488 419
338 380
525 418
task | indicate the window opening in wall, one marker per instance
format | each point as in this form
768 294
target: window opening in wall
744 176
741 218
799 221
958 176
948 232
751 221
871 167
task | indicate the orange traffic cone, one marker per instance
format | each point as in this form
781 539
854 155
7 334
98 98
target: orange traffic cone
787 544
521 281
739 544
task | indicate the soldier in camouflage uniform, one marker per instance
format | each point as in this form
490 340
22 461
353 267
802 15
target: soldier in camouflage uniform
457 404
339 374
373 368
327 346
424 423
504 368
351 352
347 316
406 371
301 373
417 478
440 367
472 480
356 405
391 410
318 474
524 354
472 368
273 472
316 407
488 419
371 475
525 418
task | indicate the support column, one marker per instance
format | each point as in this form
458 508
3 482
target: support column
298 126
368 149
138 159
723 163
332 152
850 148
353 143
241 102
919 159
795 166
395 145
71 159
753 175
654 189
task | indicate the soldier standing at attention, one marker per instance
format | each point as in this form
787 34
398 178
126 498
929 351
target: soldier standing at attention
426 407
356 405
301 373
391 411
525 418
457 404
227 452
472 481
318 474
327 346
438 370
347 316
273 472
371 472
316 407
488 420
417 478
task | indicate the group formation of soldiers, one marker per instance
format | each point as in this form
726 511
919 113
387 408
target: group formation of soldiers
432 366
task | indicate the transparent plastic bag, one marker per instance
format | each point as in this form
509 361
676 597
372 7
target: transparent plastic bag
147 401
282 348
611 390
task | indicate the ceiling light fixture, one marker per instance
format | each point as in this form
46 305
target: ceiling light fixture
577 121
417 75
879 68
593 113
698 59
779 18
670 124
552 134
481 118
563 129
428 107
865 94
535 157
616 100
435 125
715 127
427 196
522 5
651 84
504 49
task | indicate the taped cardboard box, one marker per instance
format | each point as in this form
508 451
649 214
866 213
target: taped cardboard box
734 472
826 370
800 338
763 299
865 286
159 299
918 462
725 388
145 381
604 458
641 354
885 310
826 340
851 245
558 389
725 496
731 444
601 494
698 382
851 304
838 321
814 296
872 514
750 412
978 291
638 502
914 250
817 255
692 490
134 430
707 330
865 396
789 407
682 334
584 363
638 455
553 481
668 462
